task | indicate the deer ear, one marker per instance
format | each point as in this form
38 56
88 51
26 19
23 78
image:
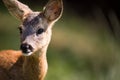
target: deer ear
53 10
17 8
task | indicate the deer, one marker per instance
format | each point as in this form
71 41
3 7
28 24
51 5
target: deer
30 62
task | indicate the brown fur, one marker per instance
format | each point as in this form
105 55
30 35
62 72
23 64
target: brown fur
14 66
9 61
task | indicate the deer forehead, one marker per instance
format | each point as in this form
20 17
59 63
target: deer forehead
35 20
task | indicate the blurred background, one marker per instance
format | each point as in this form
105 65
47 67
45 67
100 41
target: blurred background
85 42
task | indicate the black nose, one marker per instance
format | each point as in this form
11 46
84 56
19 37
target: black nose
26 48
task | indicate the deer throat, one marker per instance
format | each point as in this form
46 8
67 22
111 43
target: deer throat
35 67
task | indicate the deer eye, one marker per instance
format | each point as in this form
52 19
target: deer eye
40 31
20 29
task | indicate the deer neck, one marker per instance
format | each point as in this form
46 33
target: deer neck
35 66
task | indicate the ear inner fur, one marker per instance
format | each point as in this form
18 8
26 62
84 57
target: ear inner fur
53 10
17 9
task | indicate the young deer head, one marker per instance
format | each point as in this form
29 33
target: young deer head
35 30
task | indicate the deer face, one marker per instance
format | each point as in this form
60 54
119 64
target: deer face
35 30
35 33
